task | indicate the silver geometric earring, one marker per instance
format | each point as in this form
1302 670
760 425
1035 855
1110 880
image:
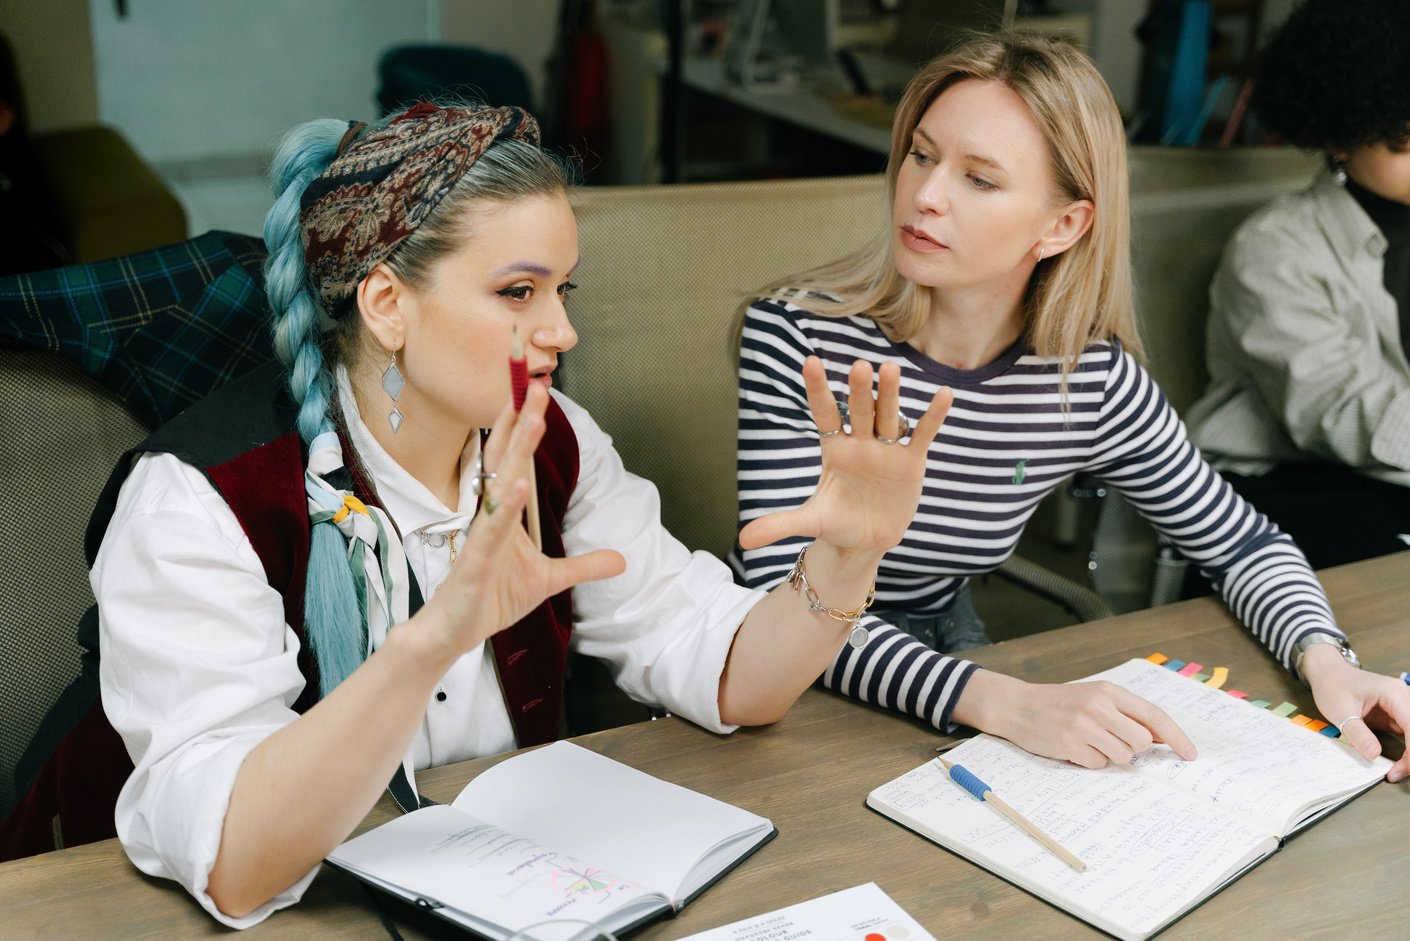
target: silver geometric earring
1339 171
392 384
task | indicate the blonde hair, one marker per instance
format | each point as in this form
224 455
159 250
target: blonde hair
1080 295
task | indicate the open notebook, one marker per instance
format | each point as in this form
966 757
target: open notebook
1159 836
558 832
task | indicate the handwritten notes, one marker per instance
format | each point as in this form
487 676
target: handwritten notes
1148 849
515 881
556 832
1159 835
1250 761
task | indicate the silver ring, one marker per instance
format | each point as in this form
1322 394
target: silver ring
481 479
1349 719
905 429
844 413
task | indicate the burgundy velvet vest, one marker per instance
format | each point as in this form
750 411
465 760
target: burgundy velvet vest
242 438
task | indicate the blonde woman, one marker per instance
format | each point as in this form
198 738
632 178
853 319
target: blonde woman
1003 274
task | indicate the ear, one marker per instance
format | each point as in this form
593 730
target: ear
1068 228
382 298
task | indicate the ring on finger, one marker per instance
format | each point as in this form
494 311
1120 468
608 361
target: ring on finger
480 481
903 428
843 414
1351 718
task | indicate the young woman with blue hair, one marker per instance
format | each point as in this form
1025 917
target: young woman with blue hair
319 580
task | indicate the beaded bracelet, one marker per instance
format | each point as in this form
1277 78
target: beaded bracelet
798 578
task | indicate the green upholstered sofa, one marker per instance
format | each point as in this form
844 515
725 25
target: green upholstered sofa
74 195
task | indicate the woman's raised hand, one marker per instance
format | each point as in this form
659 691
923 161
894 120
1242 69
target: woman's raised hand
499 576
871 480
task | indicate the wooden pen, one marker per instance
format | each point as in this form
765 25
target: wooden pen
967 780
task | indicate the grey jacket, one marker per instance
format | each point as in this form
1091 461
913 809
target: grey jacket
1303 343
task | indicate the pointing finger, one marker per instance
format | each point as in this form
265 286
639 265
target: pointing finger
1161 726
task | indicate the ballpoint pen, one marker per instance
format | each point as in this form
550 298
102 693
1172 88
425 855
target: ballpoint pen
967 780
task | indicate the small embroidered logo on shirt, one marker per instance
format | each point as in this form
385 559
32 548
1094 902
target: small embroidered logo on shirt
1019 473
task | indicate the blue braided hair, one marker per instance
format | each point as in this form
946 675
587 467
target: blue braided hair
335 624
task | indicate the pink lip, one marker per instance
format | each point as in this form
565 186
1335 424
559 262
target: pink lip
918 241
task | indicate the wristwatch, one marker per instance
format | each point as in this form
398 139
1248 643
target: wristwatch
1307 641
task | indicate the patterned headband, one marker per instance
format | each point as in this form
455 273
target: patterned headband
384 184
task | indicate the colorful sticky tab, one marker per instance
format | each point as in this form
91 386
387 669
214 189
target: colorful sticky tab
1218 676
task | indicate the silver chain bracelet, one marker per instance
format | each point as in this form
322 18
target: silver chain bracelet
798 578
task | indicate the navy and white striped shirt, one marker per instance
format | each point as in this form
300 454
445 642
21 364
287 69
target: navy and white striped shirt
1006 444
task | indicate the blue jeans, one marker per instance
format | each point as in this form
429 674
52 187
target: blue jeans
956 628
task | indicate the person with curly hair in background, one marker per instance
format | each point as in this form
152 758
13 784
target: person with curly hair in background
1307 413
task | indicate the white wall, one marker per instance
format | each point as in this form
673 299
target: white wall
197 79
1274 13
524 30
1114 48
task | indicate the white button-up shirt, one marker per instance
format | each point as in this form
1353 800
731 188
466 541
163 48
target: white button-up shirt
198 666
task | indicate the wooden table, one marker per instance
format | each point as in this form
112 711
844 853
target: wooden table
810 774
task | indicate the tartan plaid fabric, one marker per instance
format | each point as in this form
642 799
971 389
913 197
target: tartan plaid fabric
160 328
